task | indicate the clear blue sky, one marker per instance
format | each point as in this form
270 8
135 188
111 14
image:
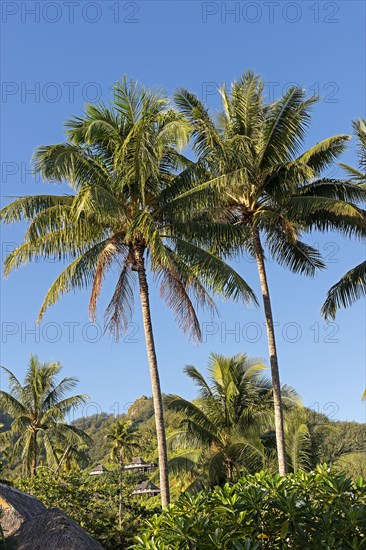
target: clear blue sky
56 56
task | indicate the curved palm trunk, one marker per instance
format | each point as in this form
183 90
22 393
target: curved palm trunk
277 400
155 381
62 460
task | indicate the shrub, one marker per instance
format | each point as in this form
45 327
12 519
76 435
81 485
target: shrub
322 509
92 501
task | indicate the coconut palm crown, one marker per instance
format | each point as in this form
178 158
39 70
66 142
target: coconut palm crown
221 430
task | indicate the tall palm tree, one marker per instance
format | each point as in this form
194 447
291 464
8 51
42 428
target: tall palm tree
352 286
123 440
222 429
121 163
39 407
251 173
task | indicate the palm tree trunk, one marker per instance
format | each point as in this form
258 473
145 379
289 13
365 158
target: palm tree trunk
277 400
34 458
155 381
120 491
230 471
62 459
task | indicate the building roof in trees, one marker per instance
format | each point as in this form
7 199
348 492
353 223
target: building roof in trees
100 469
138 460
146 487
31 526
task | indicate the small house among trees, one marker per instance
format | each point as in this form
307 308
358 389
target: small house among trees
146 488
100 469
138 464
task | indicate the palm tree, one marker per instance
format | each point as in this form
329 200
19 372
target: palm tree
253 176
352 286
221 432
38 408
124 441
122 163
297 440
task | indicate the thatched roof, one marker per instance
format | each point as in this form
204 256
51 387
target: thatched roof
17 507
53 530
32 526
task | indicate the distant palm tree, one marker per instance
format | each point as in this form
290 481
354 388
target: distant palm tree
297 440
253 175
124 442
38 408
222 429
352 286
121 163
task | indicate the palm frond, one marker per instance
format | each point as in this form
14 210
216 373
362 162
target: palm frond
79 274
119 310
26 208
205 136
215 274
297 256
199 380
286 122
324 153
350 288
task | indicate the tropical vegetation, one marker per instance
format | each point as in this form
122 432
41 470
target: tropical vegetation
38 408
104 505
251 173
225 429
244 463
121 165
320 509
123 445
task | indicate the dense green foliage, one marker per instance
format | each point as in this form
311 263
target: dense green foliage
92 501
339 443
321 509
224 431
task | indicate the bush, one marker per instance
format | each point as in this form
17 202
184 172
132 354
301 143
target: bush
92 501
322 509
